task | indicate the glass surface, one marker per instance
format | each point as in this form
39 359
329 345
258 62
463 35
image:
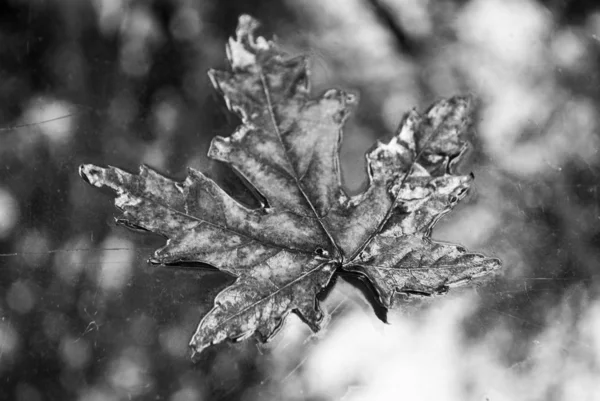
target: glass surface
123 83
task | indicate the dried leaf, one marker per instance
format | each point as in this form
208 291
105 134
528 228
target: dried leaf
285 252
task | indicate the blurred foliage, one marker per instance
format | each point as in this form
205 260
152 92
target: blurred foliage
123 82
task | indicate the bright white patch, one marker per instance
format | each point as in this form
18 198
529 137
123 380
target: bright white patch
116 263
470 228
261 43
53 118
125 200
506 56
513 30
424 356
9 212
403 358
569 133
238 55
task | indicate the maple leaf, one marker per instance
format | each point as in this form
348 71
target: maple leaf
286 252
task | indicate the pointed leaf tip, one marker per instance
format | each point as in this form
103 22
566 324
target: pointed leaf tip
91 174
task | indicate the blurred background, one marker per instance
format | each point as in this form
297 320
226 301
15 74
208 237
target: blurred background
123 82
